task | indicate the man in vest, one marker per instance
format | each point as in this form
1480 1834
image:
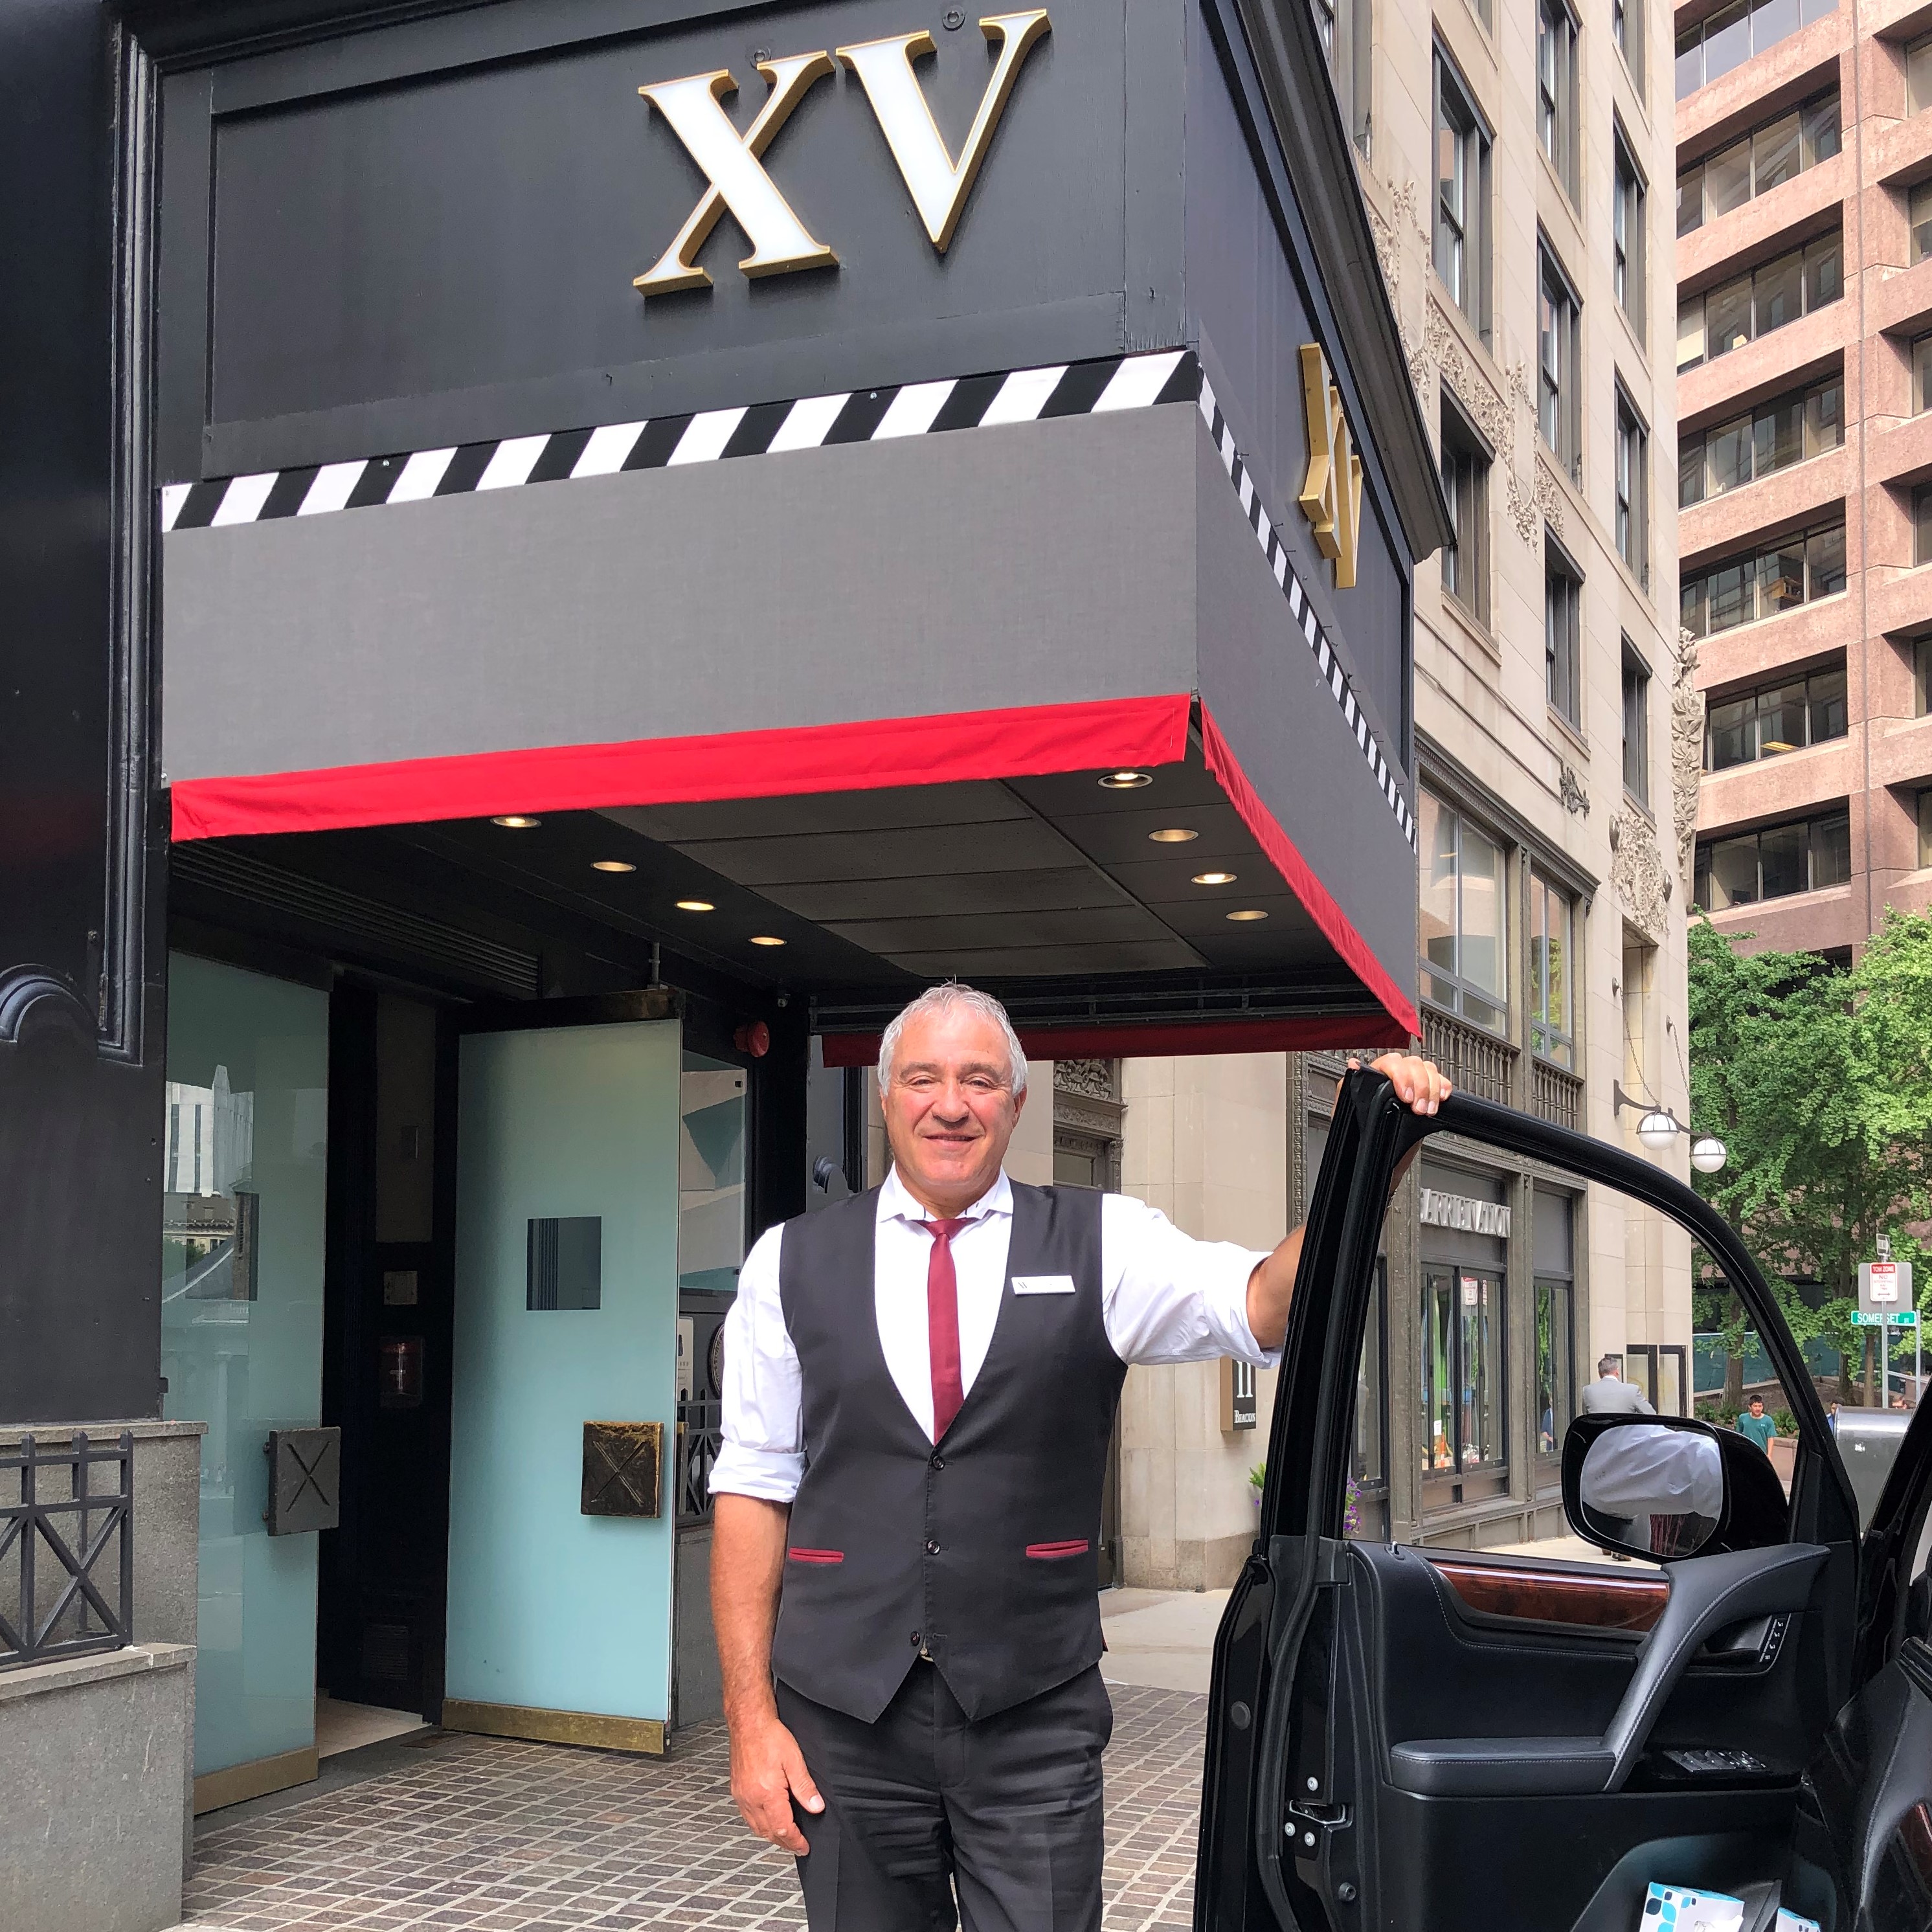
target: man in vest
920 1388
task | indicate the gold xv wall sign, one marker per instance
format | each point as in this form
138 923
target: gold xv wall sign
1331 491
733 164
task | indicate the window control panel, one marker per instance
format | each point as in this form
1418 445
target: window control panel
1716 1763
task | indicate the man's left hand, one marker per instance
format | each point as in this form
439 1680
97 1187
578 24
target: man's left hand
1420 1083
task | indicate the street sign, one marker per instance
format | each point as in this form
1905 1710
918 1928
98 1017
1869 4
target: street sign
1884 1284
1892 1318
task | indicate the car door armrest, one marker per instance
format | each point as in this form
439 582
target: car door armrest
1707 1593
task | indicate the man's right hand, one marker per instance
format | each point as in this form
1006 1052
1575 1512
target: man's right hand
767 1772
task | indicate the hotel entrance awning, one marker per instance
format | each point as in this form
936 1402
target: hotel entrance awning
860 665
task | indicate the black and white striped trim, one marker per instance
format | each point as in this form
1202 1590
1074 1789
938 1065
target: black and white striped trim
810 422
862 416
1302 612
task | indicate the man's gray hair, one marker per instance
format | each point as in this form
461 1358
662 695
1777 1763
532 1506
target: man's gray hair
1608 1365
944 999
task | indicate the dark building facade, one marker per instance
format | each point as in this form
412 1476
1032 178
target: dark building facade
571 559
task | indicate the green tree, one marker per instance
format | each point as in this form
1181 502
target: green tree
1818 1079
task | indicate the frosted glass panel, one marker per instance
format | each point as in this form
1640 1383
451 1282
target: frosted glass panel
244 1163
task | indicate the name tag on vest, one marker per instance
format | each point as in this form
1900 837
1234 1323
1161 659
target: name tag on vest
1043 1284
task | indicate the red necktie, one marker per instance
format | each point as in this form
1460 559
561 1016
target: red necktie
942 1325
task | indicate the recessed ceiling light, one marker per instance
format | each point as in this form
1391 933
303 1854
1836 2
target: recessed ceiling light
1249 912
765 939
1173 834
1213 878
516 821
612 866
1127 781
695 905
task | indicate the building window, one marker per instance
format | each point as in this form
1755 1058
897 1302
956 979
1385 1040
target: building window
1556 89
1800 569
1627 235
1921 524
1636 726
1464 941
1921 676
1918 76
1919 221
1729 37
1552 949
1562 628
1627 36
1462 1369
1465 486
1739 311
1557 340
1924 829
1462 196
1921 375
1756 163
1774 719
1633 489
1792 428
1804 857
1347 31
1553 1242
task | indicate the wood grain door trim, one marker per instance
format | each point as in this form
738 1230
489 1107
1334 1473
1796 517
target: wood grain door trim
1609 1602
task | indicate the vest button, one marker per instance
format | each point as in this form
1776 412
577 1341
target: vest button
932 1548
915 1640
938 1460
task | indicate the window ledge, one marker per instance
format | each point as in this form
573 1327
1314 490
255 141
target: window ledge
1636 340
1471 626
1573 733
1796 611
1738 489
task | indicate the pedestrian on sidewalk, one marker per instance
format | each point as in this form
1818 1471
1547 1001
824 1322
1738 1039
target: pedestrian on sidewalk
1610 1394
1758 1426
920 1384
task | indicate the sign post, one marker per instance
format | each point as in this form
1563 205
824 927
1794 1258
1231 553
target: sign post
1885 1301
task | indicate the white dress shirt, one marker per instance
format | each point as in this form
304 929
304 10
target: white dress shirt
1165 1297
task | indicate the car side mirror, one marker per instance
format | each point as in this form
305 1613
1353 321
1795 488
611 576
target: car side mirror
1665 1487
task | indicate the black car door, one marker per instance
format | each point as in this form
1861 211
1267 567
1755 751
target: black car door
1867 1804
1431 1741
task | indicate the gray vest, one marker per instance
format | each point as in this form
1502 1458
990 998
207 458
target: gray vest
979 1552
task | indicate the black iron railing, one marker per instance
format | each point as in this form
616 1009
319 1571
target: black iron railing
700 1431
65 1608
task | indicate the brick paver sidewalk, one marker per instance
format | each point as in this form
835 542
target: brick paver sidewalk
478 1834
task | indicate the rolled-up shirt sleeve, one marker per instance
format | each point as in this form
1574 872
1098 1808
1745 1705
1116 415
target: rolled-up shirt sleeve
763 1452
1170 1298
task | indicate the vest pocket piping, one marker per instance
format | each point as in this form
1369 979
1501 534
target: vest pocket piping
816 1555
1048 1553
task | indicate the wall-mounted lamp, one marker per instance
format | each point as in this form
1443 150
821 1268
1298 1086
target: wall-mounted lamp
1659 1127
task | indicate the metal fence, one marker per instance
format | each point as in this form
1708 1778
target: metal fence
82 1601
701 1432
1477 1062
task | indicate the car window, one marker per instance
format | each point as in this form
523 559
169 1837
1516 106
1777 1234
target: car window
1509 1298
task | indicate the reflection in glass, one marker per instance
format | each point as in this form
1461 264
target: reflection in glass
710 1174
1655 1490
1555 1375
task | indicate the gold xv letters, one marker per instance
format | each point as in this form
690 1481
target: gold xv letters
737 178
1331 491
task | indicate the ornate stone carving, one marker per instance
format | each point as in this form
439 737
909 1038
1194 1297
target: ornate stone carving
1548 495
1569 783
1687 756
1523 512
1094 1078
1638 872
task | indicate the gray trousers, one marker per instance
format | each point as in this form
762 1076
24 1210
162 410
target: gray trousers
926 1805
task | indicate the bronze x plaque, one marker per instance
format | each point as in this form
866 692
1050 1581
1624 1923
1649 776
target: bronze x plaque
623 1469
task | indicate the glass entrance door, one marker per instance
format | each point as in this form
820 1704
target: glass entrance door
1464 1456
244 1146
560 1538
